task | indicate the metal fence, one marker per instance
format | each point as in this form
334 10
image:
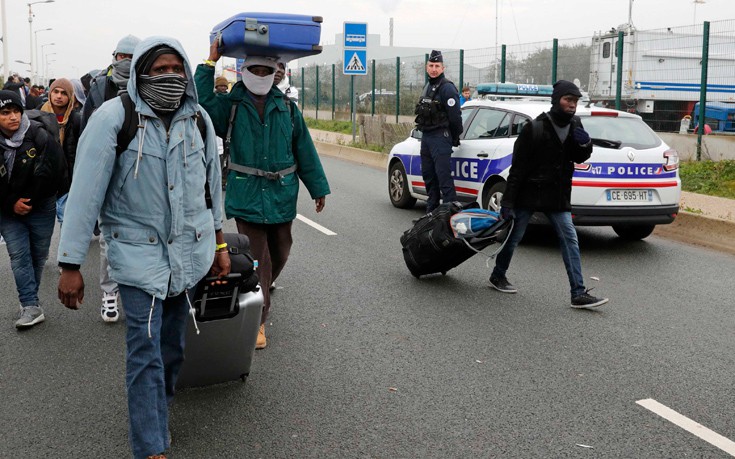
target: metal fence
656 73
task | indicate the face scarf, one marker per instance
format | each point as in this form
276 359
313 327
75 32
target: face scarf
162 92
256 84
121 72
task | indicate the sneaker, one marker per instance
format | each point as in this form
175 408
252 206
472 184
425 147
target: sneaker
261 342
30 316
501 284
109 311
586 300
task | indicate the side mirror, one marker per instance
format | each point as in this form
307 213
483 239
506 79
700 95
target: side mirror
416 134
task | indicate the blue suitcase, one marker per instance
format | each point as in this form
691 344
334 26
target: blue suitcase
283 36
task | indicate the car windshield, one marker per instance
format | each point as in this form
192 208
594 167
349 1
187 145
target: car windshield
630 132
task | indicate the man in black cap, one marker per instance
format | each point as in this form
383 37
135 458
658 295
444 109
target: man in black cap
439 119
540 180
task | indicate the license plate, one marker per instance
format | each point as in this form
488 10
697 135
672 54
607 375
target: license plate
630 195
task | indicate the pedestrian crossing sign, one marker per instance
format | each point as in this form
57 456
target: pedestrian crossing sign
355 62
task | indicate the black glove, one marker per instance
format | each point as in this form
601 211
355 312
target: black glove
455 142
506 213
581 136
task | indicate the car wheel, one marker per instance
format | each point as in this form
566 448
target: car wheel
493 197
398 191
633 232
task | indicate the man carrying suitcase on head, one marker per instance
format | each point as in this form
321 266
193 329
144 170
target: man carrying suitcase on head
150 199
270 150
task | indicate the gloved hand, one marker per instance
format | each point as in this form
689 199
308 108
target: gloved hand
455 142
581 136
506 213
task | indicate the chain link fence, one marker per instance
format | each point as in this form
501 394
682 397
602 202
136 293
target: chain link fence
655 73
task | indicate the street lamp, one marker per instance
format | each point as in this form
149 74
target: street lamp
22 62
48 61
30 28
35 38
42 67
45 67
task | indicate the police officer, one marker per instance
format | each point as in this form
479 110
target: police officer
439 119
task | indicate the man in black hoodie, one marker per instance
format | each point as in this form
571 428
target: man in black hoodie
440 121
540 180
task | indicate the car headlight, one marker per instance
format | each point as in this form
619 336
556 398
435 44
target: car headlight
672 160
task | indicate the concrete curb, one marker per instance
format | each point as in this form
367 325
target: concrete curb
714 233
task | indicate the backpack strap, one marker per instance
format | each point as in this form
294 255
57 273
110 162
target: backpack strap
126 134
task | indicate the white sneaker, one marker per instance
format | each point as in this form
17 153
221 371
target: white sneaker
109 311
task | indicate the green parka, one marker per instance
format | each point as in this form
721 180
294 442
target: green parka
273 145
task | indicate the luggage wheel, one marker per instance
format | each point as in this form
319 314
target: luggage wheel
244 377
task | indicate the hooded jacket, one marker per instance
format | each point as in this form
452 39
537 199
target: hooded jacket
150 198
540 176
275 144
71 125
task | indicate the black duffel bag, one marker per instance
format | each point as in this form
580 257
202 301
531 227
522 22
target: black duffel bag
241 260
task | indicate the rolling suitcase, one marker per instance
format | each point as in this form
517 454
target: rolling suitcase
227 318
283 36
220 341
431 246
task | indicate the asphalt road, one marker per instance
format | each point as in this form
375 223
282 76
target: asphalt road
364 360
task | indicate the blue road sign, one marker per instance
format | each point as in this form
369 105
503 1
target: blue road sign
355 62
355 35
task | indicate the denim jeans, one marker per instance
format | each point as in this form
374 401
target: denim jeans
60 206
568 243
152 365
28 238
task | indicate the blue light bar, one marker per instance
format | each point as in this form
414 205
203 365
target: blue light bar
512 89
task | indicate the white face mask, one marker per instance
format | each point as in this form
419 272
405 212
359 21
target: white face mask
257 84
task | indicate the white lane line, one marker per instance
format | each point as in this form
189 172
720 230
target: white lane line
315 225
713 438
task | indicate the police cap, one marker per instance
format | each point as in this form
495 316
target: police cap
436 56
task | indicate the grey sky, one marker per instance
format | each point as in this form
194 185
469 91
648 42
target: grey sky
86 31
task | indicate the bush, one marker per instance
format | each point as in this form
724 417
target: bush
714 178
343 127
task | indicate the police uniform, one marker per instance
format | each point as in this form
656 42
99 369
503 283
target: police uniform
439 119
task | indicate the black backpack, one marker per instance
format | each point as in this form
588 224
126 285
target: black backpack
48 120
126 134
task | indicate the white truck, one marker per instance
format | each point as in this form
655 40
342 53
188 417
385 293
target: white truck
662 72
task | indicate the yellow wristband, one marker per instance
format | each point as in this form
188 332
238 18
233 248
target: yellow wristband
209 63
221 246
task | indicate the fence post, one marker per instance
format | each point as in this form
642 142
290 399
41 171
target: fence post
372 103
398 87
334 88
502 63
461 69
317 92
619 70
303 93
554 59
703 89
426 75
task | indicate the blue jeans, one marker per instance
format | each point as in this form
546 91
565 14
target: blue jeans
568 243
28 238
153 365
60 206
436 168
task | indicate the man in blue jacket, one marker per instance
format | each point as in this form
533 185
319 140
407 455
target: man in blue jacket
152 211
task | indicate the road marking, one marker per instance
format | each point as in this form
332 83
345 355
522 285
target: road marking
315 225
713 438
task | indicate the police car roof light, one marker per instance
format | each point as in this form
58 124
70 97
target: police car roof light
512 89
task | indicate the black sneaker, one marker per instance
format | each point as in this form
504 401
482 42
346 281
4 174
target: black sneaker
588 301
501 284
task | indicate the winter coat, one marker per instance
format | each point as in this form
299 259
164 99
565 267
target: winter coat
150 200
101 90
540 176
274 145
39 169
72 131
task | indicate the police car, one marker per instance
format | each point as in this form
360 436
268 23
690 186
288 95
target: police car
631 182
